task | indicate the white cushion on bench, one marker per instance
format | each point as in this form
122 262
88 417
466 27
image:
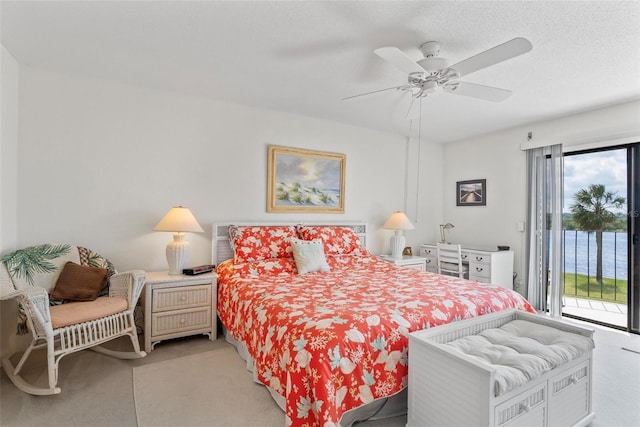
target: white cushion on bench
521 351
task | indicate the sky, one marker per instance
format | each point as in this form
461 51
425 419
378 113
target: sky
309 171
604 167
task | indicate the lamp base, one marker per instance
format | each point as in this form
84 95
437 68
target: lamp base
178 252
397 244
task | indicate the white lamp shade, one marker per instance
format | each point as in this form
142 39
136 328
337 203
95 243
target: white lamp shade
398 221
179 220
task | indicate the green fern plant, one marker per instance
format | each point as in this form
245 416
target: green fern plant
35 259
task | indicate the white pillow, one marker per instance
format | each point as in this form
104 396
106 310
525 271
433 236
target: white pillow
309 255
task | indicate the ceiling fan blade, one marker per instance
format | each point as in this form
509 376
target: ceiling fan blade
399 59
495 55
401 87
474 90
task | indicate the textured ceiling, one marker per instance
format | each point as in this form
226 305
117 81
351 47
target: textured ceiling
304 57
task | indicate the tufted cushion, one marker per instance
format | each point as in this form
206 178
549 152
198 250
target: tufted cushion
520 351
309 256
78 312
261 242
79 282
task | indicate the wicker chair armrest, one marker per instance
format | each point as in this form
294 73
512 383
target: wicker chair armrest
36 305
128 284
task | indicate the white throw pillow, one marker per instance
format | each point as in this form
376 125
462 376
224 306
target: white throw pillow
309 255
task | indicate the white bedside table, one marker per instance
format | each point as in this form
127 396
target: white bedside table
417 262
178 306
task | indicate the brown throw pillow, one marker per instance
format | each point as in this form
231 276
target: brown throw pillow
79 282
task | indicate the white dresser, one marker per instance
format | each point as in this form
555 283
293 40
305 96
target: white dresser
485 265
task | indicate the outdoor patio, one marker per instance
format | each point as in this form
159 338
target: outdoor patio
605 312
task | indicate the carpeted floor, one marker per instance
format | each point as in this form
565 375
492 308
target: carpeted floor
211 388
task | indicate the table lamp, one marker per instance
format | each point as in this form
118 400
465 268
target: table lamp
399 222
443 227
178 220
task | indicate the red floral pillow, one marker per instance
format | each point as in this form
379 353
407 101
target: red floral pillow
261 242
336 240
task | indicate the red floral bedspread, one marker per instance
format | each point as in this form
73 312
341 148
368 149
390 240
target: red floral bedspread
331 342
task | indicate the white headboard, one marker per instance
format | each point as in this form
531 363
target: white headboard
221 249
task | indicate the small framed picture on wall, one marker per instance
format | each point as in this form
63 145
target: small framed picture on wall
471 193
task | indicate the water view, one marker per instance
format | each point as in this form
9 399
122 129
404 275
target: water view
580 253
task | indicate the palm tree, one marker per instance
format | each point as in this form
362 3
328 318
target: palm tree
591 212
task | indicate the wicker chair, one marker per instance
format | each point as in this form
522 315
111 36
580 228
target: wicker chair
68 327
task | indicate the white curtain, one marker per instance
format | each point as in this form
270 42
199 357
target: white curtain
544 228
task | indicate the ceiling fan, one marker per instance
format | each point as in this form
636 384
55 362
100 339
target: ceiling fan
428 74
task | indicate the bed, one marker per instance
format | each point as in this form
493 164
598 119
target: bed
324 325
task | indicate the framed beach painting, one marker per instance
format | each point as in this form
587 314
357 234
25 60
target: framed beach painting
471 193
305 180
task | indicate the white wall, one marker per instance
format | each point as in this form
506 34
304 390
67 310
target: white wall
498 158
101 163
9 96
9 93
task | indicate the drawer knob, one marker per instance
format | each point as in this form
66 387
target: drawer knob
183 298
428 261
479 269
572 380
479 258
524 408
183 320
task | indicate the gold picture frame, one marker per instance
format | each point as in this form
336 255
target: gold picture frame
302 180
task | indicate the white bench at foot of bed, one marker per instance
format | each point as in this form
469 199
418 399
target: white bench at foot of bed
449 388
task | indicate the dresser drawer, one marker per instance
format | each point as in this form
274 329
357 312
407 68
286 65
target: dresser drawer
569 395
479 267
428 252
525 409
182 297
431 255
431 264
480 271
479 258
171 322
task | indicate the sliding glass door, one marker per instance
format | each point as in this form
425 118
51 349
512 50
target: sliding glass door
634 236
600 266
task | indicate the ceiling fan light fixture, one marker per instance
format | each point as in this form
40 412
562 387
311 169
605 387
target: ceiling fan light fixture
433 64
429 86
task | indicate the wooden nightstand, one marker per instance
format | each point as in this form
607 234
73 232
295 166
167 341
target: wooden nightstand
417 262
179 305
